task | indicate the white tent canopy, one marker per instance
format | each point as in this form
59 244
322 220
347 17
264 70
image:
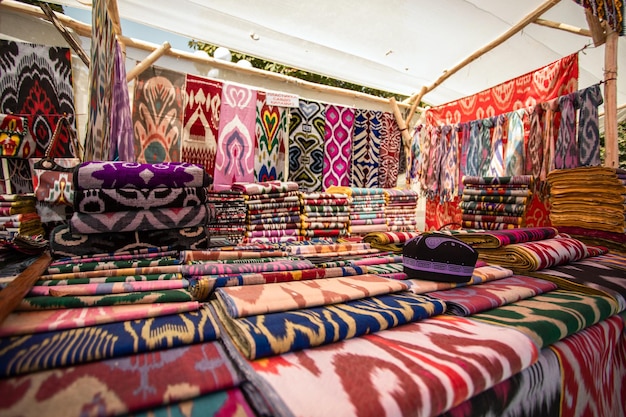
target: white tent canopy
393 45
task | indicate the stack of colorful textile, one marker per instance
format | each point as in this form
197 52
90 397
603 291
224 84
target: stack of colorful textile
114 332
121 206
228 225
495 203
273 211
271 319
21 230
367 209
587 197
401 210
324 215
240 266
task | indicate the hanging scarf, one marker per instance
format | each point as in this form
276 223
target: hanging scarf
337 146
514 157
485 150
496 167
449 165
565 149
534 152
587 101
473 150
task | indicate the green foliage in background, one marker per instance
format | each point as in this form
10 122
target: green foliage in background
296 73
57 8
621 144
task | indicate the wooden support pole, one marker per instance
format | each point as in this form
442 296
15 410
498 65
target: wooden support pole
404 129
563 26
150 59
518 27
52 17
114 15
414 106
16 290
610 99
595 27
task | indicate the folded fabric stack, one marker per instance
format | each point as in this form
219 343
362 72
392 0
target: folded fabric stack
495 203
18 216
401 210
587 197
270 319
21 230
228 224
324 215
273 211
367 209
131 201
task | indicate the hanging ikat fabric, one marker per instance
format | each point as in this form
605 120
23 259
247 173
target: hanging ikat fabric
514 155
366 148
234 160
546 83
98 137
611 11
158 115
201 117
533 159
122 138
565 149
271 136
588 100
496 166
337 146
36 83
389 152
306 145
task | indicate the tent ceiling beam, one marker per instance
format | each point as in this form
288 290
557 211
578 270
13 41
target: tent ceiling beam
149 60
52 17
518 27
597 30
563 26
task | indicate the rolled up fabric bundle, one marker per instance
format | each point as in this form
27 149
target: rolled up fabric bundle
534 256
120 174
496 239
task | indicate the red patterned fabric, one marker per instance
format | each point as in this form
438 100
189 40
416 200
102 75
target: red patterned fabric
121 385
592 363
543 84
201 118
423 368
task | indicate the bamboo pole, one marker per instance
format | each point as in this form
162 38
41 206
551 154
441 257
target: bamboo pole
115 20
85 30
52 17
610 99
414 106
563 26
149 60
16 290
595 27
527 20
404 129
